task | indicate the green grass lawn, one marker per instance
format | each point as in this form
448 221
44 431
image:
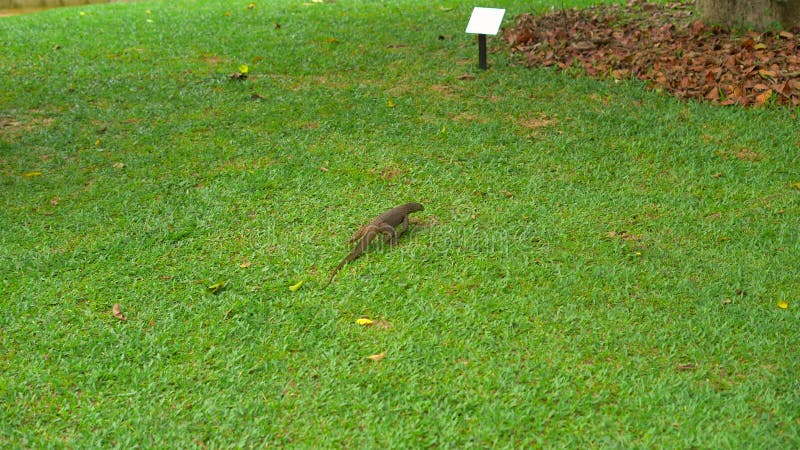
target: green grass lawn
566 285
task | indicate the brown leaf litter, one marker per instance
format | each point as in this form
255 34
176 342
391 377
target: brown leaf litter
667 46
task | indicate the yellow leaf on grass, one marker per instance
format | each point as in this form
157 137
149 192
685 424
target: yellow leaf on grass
251 6
32 174
245 264
295 287
796 185
364 321
377 357
782 304
390 103
244 69
216 287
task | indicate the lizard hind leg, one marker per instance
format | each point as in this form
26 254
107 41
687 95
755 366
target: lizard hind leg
391 239
389 232
359 234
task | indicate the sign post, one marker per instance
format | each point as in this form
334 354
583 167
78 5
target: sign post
484 21
482 52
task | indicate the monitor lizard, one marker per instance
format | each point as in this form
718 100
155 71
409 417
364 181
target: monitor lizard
387 223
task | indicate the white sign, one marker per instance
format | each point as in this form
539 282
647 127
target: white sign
485 21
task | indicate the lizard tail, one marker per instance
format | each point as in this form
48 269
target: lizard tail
357 250
333 273
330 280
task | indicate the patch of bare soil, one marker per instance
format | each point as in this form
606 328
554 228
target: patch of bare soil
11 128
669 47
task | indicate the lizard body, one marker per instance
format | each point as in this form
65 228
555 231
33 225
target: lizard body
387 224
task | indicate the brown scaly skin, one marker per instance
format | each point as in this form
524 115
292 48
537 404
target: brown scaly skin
386 224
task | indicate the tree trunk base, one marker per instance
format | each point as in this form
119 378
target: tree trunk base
758 14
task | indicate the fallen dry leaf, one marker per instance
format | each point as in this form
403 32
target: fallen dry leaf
364 321
245 264
783 304
377 357
767 74
727 301
116 310
32 174
295 287
763 97
466 76
686 367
